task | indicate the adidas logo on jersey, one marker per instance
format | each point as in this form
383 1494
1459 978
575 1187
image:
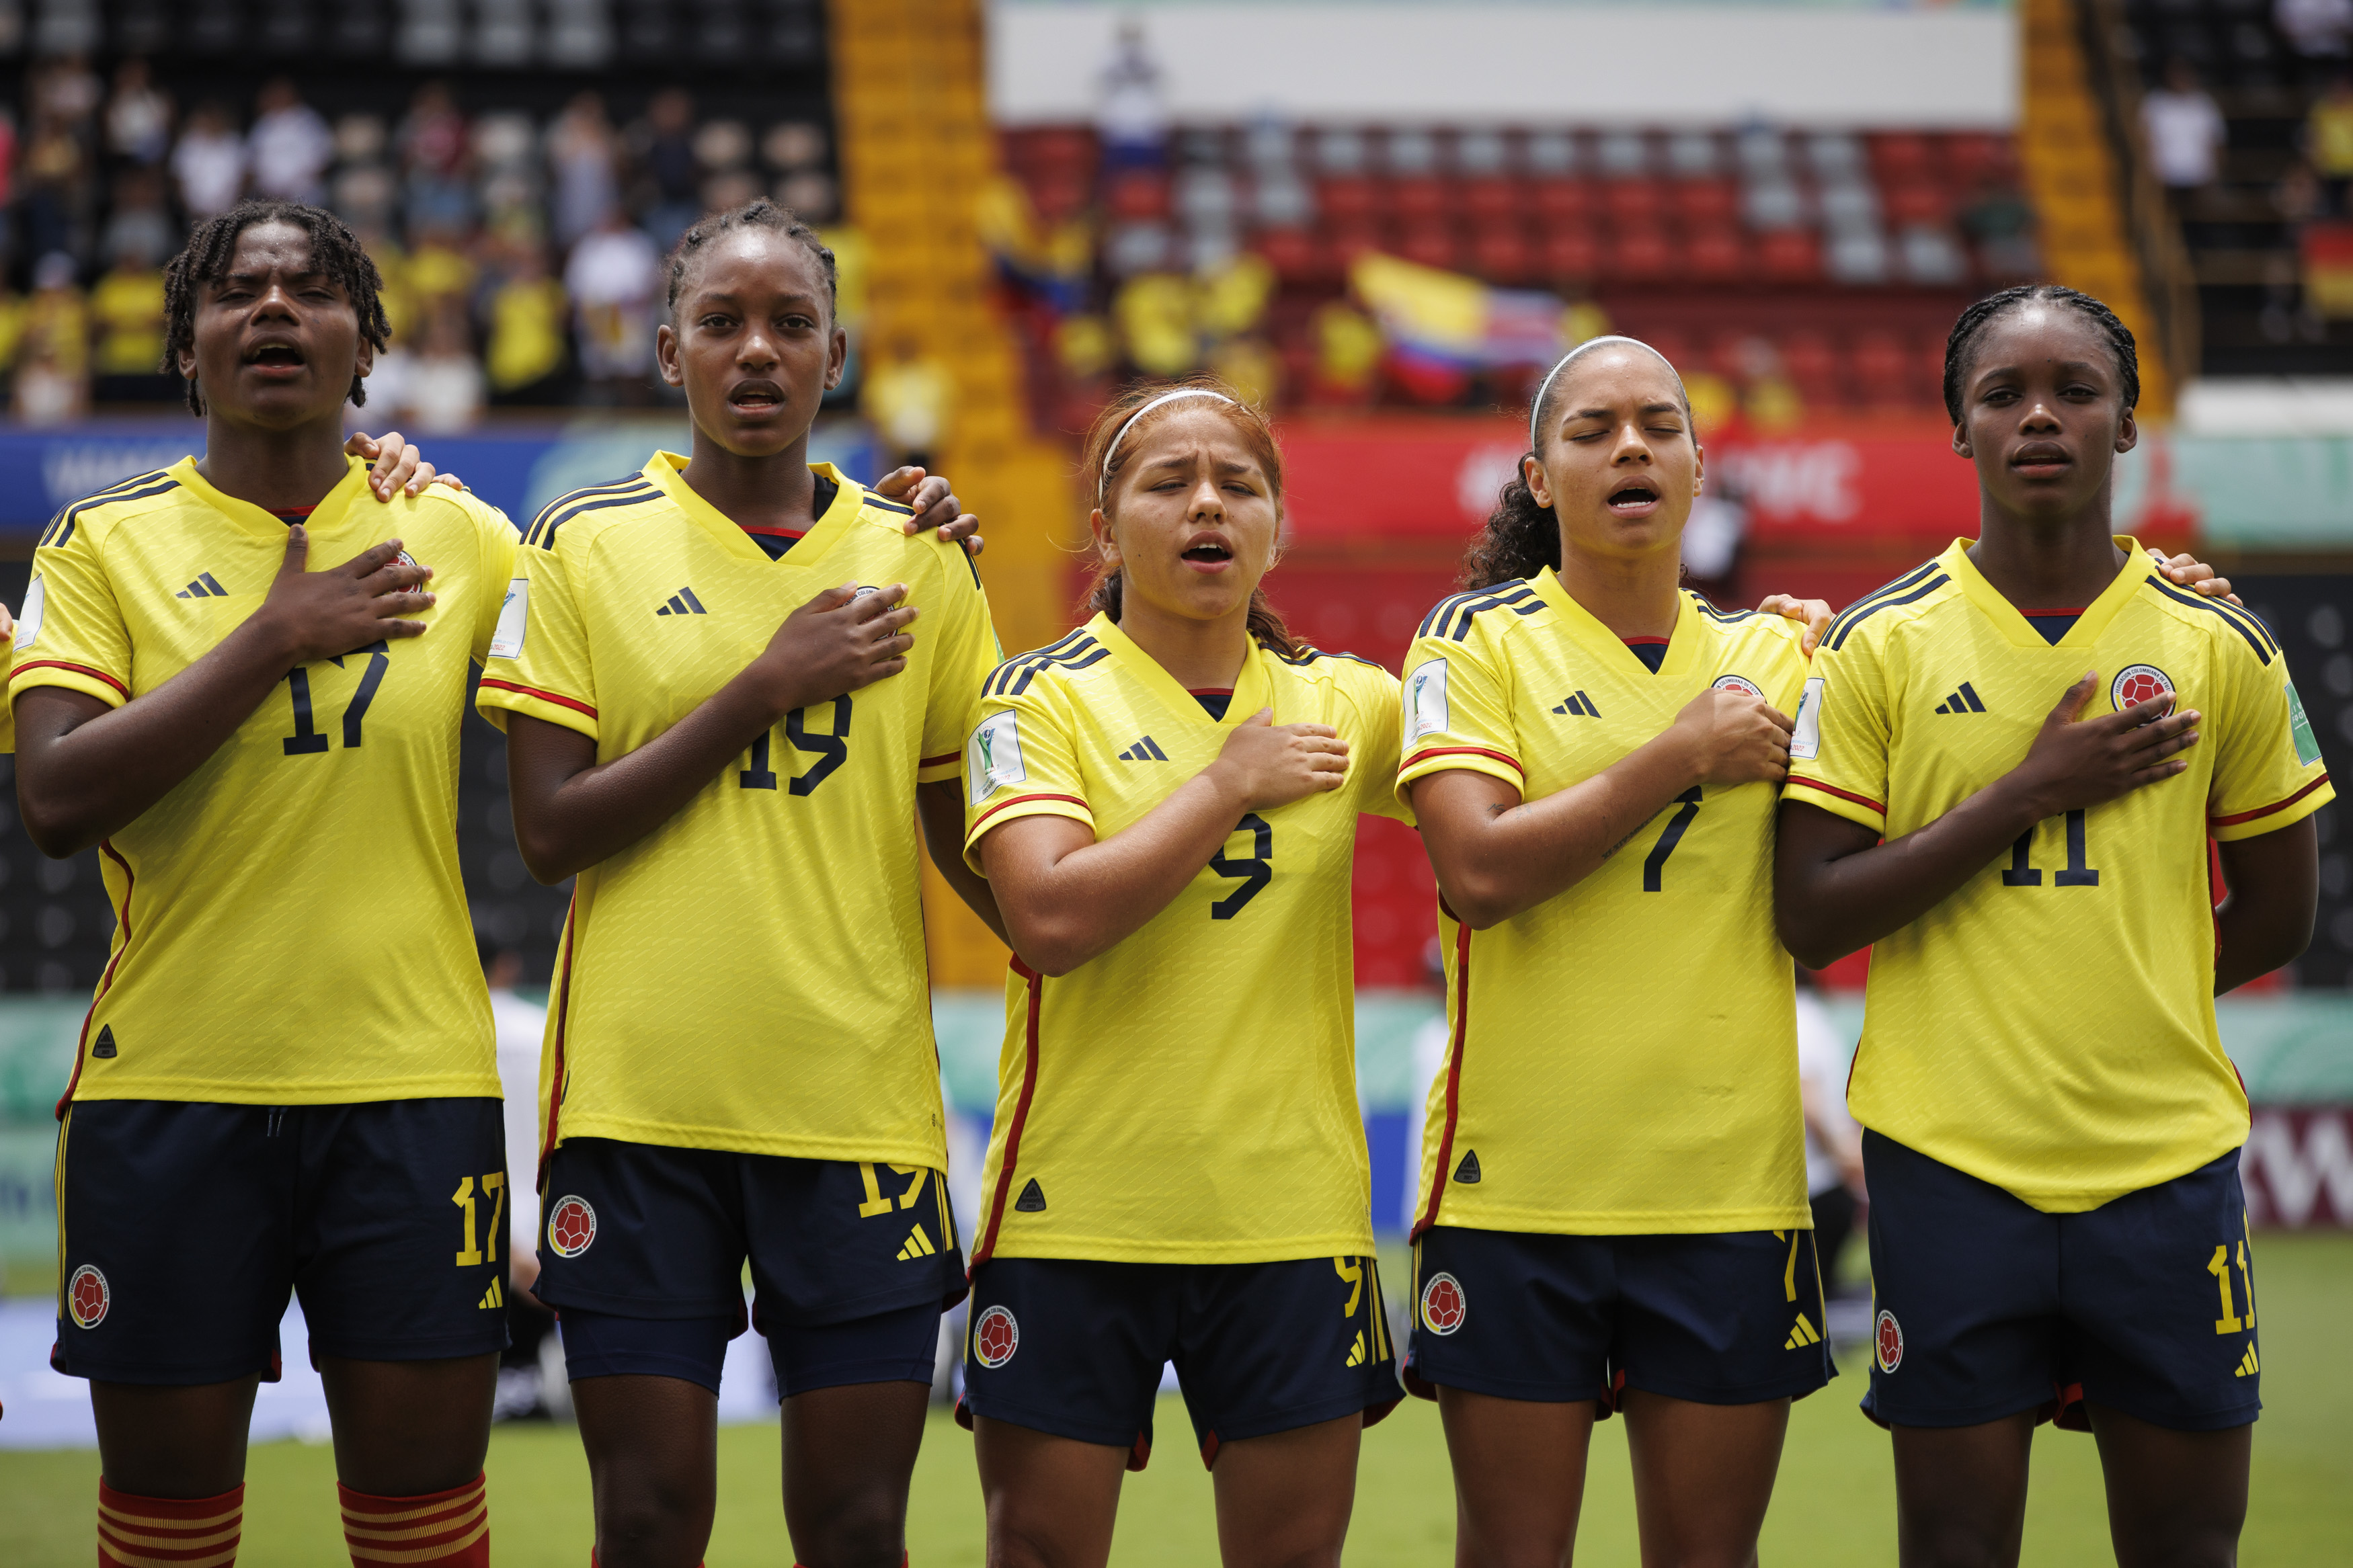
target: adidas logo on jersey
1579 704
919 1245
494 1299
1356 1350
1144 751
2248 1365
105 1047
1804 1334
683 603
1032 1199
1467 1172
1964 701
203 587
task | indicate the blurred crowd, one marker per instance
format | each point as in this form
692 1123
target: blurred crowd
521 259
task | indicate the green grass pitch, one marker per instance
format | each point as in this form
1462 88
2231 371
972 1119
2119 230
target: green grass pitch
1834 1505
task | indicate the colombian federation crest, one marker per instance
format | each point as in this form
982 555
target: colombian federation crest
571 1226
1737 683
1887 1342
994 1337
87 1298
2138 683
1443 1304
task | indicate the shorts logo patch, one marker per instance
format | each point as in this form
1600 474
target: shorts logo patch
86 1297
571 1226
995 1338
1887 1342
1443 1304
2138 683
1736 683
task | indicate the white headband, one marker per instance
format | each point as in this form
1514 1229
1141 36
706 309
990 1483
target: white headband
1102 480
1536 407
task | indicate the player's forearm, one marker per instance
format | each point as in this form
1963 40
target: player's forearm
1503 860
1086 901
571 812
85 771
939 807
2274 891
1836 891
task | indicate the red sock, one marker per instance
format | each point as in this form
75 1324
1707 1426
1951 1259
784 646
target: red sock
440 1529
168 1532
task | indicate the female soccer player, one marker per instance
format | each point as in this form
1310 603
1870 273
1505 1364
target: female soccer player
739 1060
1613 1206
2052 1140
286 1076
1165 803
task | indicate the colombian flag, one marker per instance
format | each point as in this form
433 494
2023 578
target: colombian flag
1443 325
2328 268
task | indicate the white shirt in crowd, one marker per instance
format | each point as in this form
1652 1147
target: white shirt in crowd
2186 134
290 149
211 169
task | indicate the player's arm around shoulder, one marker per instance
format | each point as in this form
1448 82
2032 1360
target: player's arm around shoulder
1067 896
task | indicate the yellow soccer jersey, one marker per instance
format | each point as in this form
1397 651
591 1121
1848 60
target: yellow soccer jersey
1189 1096
2050 1028
290 924
750 976
1624 1056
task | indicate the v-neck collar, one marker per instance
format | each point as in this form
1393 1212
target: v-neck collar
2021 632
333 510
666 469
1585 628
1252 689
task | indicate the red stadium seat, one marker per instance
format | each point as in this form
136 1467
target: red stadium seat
1057 195
1706 201
1928 367
1632 202
1789 256
1715 254
1344 242
1293 254
1641 254
1346 198
1139 193
1499 254
1430 243
1416 199
1813 366
1493 199
1570 254
1564 201
1977 155
1883 370
1901 157
1920 202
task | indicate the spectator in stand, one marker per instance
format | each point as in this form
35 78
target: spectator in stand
2328 139
56 190
126 312
526 312
585 157
139 226
208 164
671 176
2185 130
67 90
613 278
445 380
1133 119
290 146
434 162
2319 30
52 382
909 398
137 117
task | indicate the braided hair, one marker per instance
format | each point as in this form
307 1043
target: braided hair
1522 536
757 212
1975 319
335 250
1110 444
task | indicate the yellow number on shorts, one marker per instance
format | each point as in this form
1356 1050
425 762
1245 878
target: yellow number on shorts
914 1188
494 1186
464 1198
875 1202
1355 1275
2219 1266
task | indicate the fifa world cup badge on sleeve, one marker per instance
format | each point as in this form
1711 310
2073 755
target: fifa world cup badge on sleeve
1806 736
992 758
28 620
2308 749
1425 701
514 616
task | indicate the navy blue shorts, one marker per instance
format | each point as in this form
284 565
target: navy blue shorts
1987 1307
1074 1348
1725 1319
183 1226
851 1264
